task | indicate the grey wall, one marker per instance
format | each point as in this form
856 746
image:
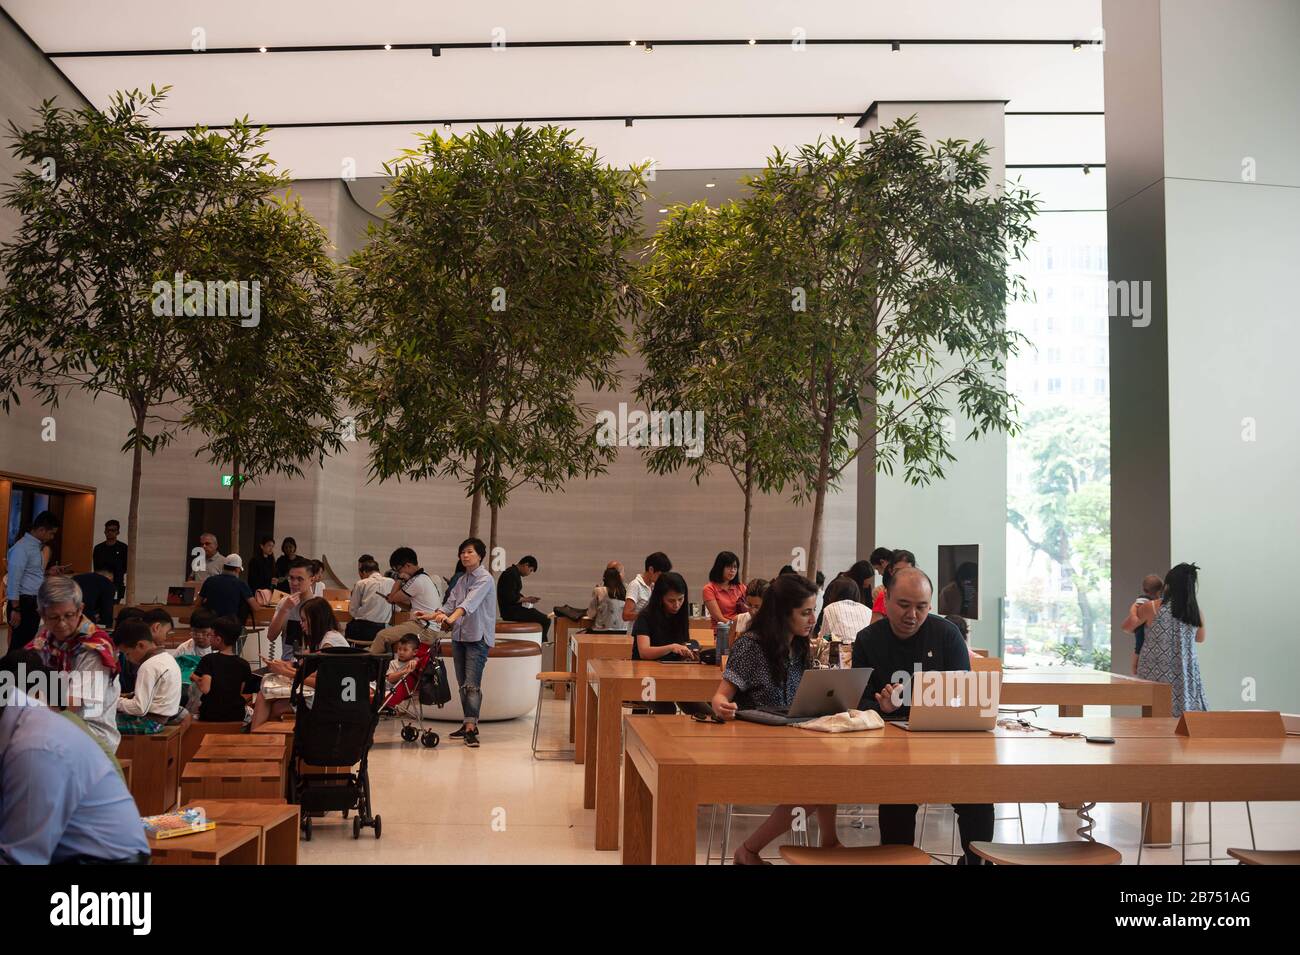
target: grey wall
1220 83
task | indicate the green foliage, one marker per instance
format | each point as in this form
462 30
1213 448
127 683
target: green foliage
899 250
267 399
528 218
711 347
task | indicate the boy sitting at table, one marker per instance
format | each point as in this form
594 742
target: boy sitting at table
200 642
157 695
225 682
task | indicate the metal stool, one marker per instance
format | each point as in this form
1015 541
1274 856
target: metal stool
954 851
1209 858
800 837
544 678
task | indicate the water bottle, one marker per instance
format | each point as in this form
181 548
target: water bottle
721 634
833 658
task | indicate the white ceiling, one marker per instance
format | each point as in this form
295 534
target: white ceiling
401 87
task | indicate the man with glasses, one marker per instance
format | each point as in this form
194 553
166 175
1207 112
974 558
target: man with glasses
412 588
213 560
286 620
26 570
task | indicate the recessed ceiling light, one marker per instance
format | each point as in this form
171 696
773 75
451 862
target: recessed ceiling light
627 123
839 119
446 126
895 46
631 42
709 185
752 41
261 49
388 46
649 48
663 210
1078 44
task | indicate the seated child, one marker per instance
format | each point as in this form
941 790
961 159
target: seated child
403 664
157 694
200 642
224 681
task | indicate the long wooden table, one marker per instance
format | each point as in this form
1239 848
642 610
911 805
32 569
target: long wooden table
1071 690
585 647
610 684
673 765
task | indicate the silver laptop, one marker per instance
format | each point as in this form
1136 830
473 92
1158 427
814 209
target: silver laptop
948 701
820 693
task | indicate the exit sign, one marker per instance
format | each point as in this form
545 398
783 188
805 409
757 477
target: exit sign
227 480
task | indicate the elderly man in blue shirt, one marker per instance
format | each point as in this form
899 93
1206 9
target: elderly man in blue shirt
61 797
470 614
26 570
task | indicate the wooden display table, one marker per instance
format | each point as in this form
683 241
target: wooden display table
155 768
278 822
228 844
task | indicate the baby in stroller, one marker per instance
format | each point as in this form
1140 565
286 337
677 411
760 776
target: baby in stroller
405 664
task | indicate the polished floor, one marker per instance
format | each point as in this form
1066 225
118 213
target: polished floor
454 805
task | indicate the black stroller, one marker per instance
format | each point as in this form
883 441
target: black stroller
335 726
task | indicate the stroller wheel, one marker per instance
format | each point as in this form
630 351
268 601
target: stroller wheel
409 733
378 827
430 739
356 827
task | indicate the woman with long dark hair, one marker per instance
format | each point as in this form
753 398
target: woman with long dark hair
1174 625
764 670
724 594
607 600
662 630
320 630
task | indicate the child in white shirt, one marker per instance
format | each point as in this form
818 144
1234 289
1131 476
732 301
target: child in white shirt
158 678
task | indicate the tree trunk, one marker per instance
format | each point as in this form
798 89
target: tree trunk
749 508
476 502
492 532
235 482
823 479
133 511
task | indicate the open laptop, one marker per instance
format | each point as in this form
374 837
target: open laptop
820 693
950 701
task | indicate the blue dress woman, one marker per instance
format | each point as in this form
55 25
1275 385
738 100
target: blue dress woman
1174 626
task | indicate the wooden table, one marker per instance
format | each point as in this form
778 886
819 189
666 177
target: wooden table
610 684
673 765
278 822
584 648
1071 690
228 844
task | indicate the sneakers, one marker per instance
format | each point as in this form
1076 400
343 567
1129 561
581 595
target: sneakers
471 738
459 734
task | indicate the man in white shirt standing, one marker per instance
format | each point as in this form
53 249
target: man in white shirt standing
638 591
369 607
413 588
157 692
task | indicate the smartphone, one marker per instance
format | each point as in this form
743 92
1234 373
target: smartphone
1100 739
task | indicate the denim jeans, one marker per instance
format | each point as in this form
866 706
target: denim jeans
470 659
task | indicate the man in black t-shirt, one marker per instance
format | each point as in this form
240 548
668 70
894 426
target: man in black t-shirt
97 593
225 594
222 677
111 552
511 597
909 639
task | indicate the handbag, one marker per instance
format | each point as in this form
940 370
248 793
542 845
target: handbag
434 689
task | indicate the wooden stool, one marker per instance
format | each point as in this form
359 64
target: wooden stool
126 771
246 748
231 779
1266 856
198 731
858 855
155 768
1047 853
228 844
558 677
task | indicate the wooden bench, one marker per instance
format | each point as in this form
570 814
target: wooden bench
228 844
155 768
234 780
277 820
198 731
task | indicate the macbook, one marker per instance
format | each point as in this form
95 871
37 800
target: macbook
820 693
948 701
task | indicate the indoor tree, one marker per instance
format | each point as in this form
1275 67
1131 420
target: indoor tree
265 393
499 282
889 258
712 347
108 206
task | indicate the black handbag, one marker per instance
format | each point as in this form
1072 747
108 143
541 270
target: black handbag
434 689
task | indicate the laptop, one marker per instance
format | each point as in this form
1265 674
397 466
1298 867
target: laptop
820 693
950 701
